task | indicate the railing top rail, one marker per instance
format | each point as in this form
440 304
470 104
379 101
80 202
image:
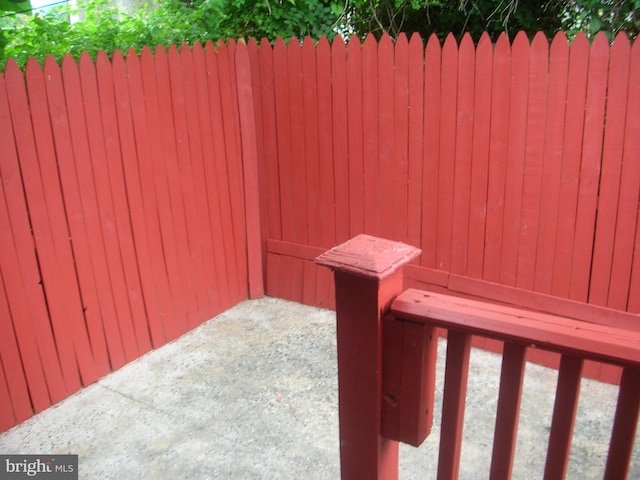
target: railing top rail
551 332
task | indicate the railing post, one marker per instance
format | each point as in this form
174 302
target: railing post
368 276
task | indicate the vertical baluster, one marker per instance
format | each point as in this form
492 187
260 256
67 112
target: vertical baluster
511 378
564 416
455 391
624 425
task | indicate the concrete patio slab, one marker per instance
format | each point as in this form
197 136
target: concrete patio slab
253 394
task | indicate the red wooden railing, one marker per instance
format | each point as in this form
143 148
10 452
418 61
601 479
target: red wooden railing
386 367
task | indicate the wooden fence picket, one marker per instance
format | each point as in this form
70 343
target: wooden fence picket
498 149
611 168
432 126
570 168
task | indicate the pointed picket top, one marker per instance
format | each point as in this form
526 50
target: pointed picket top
402 39
415 39
353 42
12 70
580 41
467 40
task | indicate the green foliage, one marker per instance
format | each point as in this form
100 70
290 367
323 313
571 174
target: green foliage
104 27
493 16
15 6
277 18
611 17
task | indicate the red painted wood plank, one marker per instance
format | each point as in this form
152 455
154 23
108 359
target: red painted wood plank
498 146
217 181
326 290
197 104
408 380
16 406
543 302
82 216
298 178
226 67
298 250
552 162
430 175
625 424
154 178
270 138
386 136
626 224
230 107
250 169
78 174
292 278
121 204
453 401
550 332
311 156
570 170
370 127
206 196
169 194
309 281
611 168
480 157
325 147
14 234
48 221
415 139
191 259
256 82
515 158
463 154
447 154
283 119
133 145
14 396
105 198
7 420
355 134
564 415
197 100
401 138
633 305
311 139
340 139
590 168
533 162
508 413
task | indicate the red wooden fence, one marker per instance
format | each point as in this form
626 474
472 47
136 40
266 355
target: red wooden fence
137 191
513 163
122 212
